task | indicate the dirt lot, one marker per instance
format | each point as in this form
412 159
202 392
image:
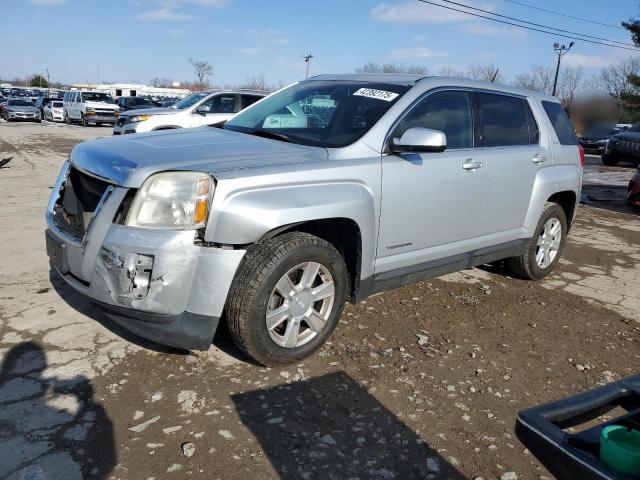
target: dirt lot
420 382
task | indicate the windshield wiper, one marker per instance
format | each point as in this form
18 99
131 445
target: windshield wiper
274 135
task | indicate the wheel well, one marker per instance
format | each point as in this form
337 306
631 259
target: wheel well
167 127
567 200
343 233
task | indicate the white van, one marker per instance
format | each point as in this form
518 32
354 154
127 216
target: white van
88 107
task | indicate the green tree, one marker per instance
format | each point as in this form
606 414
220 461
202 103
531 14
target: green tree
631 100
38 81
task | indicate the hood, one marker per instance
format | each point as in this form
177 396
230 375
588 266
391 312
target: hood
22 109
627 135
111 106
149 111
129 159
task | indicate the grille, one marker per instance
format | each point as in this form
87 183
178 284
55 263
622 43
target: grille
78 199
104 112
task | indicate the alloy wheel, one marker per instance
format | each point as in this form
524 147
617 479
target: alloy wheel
549 243
300 305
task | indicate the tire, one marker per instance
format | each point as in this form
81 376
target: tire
254 289
526 265
83 120
610 159
67 120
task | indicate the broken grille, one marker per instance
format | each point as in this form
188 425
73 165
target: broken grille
80 195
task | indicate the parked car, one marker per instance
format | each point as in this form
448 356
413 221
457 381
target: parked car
21 109
275 229
595 139
196 110
54 111
633 194
623 146
40 104
132 103
89 107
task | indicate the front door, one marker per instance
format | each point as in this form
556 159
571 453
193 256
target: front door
217 108
432 202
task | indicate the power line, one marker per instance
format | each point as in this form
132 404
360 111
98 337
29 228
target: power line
529 28
538 24
564 14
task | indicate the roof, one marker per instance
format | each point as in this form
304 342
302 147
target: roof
394 78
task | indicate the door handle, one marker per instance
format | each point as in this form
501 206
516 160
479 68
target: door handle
470 164
537 158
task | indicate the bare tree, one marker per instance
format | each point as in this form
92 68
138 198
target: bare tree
486 73
203 70
614 79
570 82
256 83
538 78
161 82
372 67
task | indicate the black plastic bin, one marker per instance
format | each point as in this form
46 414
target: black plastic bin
576 456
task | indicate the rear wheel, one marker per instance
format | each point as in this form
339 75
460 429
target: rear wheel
287 298
545 248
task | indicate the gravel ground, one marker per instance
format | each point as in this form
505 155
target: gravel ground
420 382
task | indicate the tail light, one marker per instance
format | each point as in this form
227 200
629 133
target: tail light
582 160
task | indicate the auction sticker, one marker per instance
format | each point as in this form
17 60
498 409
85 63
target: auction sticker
377 94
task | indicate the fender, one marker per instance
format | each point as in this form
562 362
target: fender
243 217
569 178
544 186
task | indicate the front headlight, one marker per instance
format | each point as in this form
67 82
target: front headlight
89 110
172 200
138 118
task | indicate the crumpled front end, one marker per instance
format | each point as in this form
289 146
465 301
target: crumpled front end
161 284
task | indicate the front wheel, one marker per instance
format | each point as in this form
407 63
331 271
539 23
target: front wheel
83 120
545 248
287 298
610 159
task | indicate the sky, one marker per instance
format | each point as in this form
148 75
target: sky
137 40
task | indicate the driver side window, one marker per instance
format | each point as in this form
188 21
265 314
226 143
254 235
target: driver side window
220 104
448 112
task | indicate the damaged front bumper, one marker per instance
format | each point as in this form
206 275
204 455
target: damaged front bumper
158 284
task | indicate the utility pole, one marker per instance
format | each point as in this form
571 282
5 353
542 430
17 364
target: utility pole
48 82
307 61
561 50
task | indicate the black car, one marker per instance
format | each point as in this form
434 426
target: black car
134 103
623 146
595 139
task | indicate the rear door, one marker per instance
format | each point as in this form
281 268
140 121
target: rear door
510 139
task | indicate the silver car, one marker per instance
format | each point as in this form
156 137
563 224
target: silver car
21 109
325 192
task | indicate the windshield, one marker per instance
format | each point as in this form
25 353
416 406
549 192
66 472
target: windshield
320 113
96 97
187 102
20 103
634 128
56 104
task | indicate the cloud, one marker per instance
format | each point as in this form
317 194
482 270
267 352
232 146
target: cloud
250 51
587 61
48 2
493 30
277 37
415 52
161 14
418 12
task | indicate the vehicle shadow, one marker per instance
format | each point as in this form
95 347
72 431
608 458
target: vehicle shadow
331 427
81 304
50 427
607 197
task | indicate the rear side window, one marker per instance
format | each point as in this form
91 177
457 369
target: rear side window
502 120
560 122
246 100
534 133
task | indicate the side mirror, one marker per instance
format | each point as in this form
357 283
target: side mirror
419 139
203 109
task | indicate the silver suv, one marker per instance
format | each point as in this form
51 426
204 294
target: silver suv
325 192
